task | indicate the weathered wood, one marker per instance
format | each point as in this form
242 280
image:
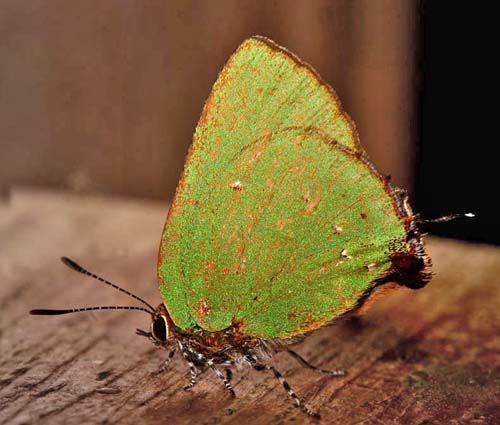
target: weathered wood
424 357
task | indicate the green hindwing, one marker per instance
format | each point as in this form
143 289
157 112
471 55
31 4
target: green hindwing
277 235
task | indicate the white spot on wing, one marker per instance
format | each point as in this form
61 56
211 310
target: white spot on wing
236 185
345 254
370 267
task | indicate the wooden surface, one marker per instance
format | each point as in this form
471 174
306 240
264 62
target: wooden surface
426 357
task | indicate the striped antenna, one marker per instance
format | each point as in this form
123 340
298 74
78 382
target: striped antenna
45 312
450 217
76 267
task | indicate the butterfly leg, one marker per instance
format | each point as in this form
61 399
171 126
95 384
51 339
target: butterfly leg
194 374
305 363
210 363
293 395
192 368
166 363
228 364
220 375
191 356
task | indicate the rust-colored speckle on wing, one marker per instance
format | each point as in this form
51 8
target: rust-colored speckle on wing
310 207
203 310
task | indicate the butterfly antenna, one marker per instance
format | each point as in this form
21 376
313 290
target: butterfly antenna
47 312
446 218
76 267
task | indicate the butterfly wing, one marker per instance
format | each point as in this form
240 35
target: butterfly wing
278 236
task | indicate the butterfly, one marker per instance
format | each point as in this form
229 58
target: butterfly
280 224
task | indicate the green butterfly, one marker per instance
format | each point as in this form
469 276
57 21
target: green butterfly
280 224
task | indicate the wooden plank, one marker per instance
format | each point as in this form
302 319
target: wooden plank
424 357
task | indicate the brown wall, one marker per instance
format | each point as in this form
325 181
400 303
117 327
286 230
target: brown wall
102 95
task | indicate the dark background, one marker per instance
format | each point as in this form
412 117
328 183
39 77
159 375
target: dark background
103 96
458 167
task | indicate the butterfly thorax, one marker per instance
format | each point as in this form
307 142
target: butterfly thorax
229 344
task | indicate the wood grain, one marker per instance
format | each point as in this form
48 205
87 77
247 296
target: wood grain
423 357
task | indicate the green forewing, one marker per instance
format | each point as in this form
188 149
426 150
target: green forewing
278 238
263 88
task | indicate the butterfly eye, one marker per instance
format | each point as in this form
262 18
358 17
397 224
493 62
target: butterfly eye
159 328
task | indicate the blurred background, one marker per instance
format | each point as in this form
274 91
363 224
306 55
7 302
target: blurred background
103 96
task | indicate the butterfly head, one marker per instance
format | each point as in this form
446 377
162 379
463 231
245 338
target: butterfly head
160 325
161 331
